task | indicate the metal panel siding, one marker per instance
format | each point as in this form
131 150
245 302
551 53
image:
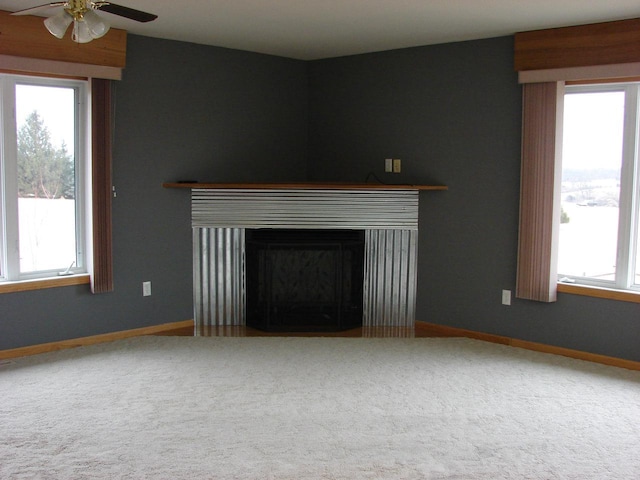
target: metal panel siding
219 280
389 218
350 209
390 278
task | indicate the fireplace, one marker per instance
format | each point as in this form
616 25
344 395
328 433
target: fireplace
228 221
304 280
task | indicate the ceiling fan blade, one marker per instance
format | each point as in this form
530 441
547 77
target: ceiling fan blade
126 12
29 11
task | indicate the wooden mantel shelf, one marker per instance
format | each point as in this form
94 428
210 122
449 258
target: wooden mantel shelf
303 186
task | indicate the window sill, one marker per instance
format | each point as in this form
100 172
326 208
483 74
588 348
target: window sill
599 292
42 283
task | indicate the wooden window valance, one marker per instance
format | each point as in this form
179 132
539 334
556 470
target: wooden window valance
27 47
596 51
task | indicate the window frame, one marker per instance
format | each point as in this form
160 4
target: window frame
10 273
546 61
628 221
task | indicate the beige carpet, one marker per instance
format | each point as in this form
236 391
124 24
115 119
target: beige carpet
316 408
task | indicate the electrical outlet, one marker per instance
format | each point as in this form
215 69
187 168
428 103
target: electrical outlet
397 165
388 165
146 289
506 297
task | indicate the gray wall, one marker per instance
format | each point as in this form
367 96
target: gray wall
183 111
450 112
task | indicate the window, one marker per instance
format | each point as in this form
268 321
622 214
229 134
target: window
599 241
43 167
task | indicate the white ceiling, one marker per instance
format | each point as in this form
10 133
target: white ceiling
314 29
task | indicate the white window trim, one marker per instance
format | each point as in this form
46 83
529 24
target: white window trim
629 193
8 190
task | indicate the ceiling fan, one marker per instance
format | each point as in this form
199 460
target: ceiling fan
87 25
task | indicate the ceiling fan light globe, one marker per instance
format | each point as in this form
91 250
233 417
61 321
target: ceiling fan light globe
97 27
58 24
81 33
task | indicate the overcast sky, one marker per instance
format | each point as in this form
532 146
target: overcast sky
592 132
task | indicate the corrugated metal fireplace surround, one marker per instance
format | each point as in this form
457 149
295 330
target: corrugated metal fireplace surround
389 218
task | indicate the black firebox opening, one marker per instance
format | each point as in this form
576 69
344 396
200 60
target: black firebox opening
304 280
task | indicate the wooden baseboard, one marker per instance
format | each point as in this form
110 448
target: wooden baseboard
440 329
92 340
537 347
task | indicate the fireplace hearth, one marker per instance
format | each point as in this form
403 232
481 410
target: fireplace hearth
304 280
